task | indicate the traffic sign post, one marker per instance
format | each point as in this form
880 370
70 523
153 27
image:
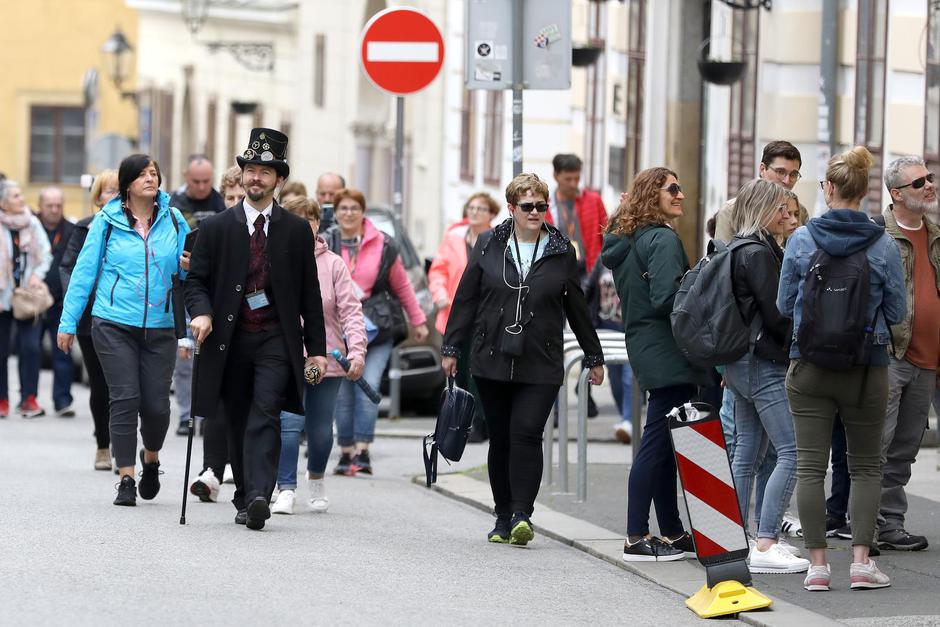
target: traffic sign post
517 45
401 52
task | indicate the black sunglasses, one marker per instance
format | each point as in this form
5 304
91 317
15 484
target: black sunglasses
527 207
673 189
918 182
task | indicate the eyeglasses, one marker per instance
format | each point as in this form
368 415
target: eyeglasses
674 190
348 209
785 175
527 207
918 182
478 209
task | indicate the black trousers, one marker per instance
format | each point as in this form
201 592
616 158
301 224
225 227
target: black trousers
98 387
215 443
515 415
257 373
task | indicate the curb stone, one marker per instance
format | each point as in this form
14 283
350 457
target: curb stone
683 578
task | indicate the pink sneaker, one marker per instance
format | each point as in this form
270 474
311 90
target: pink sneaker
867 576
817 579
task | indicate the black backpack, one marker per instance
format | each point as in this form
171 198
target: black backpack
834 330
706 322
454 418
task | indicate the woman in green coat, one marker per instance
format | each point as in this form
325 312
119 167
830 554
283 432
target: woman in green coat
647 260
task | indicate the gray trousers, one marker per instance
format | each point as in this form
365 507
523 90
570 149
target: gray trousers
138 365
910 390
183 387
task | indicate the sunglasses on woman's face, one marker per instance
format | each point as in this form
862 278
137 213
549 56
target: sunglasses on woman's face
527 207
918 182
674 190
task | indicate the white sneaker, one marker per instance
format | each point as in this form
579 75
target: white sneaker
867 576
274 495
789 548
623 431
284 504
791 526
776 559
206 487
319 502
228 475
817 579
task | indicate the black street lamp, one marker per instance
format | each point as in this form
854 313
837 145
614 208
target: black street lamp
118 58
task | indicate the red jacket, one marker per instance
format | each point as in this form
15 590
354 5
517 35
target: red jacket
593 218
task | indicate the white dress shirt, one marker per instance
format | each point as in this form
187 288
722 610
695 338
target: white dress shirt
251 214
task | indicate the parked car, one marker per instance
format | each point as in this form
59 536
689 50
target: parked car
422 379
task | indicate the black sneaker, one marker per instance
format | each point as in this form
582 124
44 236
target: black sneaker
833 525
362 463
241 517
344 467
684 543
901 540
183 429
502 531
873 550
844 532
257 512
149 478
126 492
520 533
650 550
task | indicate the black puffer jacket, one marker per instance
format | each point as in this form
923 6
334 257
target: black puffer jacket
755 273
484 305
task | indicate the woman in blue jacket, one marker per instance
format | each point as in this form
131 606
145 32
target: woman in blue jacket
815 387
130 255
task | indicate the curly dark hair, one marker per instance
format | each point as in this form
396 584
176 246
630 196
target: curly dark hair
642 204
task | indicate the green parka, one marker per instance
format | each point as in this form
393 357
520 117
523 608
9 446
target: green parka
647 267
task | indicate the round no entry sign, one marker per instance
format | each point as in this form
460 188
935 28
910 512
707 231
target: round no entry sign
401 50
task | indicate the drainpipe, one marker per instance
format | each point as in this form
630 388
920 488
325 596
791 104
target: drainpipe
828 75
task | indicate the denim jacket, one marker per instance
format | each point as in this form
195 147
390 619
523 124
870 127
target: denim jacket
841 232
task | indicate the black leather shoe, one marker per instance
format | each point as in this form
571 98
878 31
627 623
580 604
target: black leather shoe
257 512
241 517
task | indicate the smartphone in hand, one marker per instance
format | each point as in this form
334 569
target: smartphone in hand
190 240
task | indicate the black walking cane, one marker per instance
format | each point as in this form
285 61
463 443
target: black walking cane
192 420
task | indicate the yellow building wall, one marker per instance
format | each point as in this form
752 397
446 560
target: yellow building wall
48 45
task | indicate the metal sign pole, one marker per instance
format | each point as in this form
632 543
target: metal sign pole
397 197
517 85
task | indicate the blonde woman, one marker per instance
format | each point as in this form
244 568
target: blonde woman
103 190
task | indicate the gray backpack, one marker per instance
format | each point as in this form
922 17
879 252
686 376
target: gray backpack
706 322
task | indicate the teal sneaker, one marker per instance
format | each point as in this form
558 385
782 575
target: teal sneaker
521 533
500 533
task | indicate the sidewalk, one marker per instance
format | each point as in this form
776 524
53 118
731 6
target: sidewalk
597 526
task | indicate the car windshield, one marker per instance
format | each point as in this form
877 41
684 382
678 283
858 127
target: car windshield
384 222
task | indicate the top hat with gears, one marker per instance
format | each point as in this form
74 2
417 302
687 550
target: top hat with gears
266 147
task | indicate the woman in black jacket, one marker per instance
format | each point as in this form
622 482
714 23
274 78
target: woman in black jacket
520 285
103 189
757 380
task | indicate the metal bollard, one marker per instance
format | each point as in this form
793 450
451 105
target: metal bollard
394 385
582 435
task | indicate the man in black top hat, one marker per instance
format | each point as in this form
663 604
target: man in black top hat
252 278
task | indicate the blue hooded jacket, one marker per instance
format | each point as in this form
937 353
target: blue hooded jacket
841 232
135 274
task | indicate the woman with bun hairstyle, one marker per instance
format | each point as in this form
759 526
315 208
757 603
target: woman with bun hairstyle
860 393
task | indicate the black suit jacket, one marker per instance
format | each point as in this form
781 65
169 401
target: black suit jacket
215 286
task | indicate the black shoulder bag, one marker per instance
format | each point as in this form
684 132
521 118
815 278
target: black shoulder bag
454 418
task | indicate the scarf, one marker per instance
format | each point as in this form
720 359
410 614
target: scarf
23 225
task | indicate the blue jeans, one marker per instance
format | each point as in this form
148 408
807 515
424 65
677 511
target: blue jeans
28 337
62 369
621 386
762 414
653 474
355 414
318 422
726 413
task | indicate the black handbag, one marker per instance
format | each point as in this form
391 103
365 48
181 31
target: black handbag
383 308
454 418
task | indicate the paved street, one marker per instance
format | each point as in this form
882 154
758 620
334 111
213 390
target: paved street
388 552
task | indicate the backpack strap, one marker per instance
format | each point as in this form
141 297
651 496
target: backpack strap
387 260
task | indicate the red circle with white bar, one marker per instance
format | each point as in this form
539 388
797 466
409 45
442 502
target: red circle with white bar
401 50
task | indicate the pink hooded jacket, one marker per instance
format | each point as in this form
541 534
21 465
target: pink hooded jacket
366 271
342 311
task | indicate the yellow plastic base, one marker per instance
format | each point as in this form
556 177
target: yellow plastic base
727 597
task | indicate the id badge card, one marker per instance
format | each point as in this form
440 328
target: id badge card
257 300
